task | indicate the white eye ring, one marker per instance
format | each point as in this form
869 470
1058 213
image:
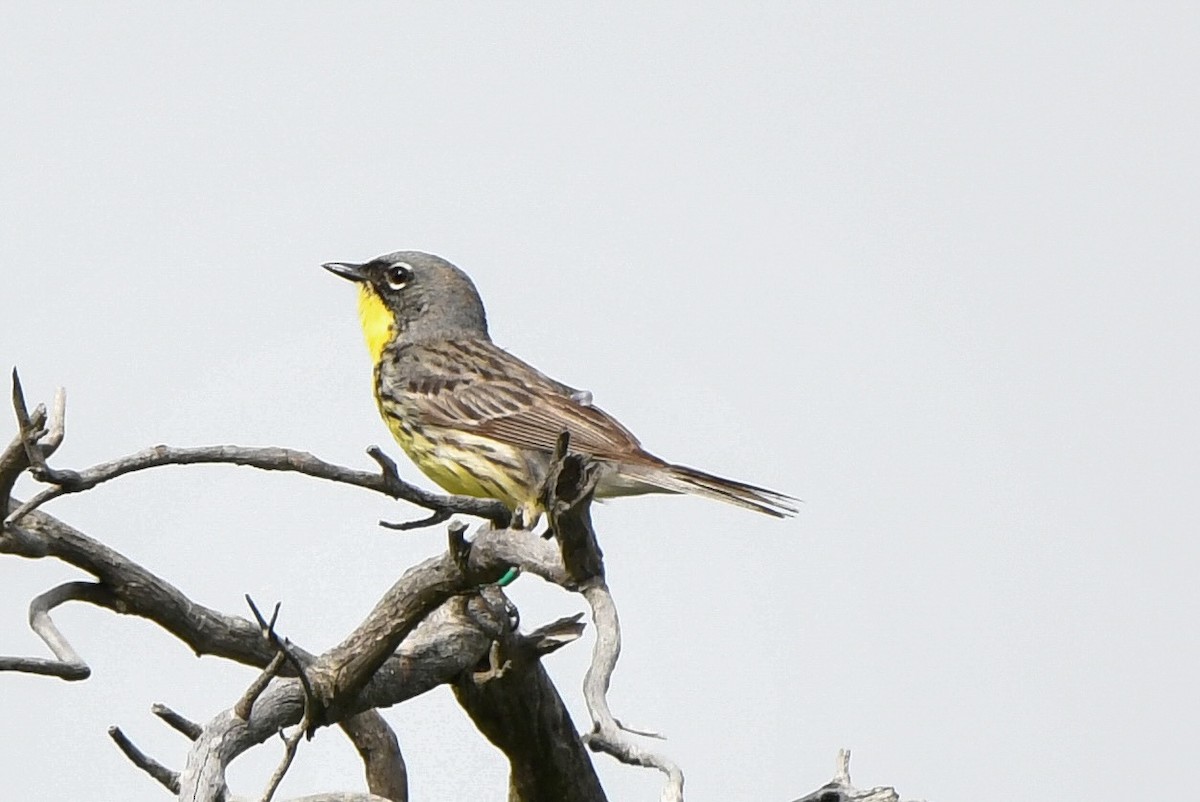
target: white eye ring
398 275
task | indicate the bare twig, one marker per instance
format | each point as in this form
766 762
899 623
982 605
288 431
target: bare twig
290 744
370 667
268 459
14 460
246 704
30 436
285 651
189 728
67 664
607 734
387 481
567 496
57 428
32 504
169 779
438 516
447 643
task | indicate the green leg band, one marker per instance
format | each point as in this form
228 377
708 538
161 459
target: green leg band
509 577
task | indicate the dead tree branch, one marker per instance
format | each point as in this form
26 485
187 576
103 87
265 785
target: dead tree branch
840 789
67 663
267 459
167 778
449 642
189 729
434 625
379 749
38 444
569 491
514 705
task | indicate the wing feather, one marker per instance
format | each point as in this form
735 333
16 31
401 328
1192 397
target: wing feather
477 387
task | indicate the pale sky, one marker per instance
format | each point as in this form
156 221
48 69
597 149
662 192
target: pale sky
929 267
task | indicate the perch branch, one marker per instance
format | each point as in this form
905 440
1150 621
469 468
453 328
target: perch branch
568 495
408 672
346 681
369 668
38 444
269 458
139 592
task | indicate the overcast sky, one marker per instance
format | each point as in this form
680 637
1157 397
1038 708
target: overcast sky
929 267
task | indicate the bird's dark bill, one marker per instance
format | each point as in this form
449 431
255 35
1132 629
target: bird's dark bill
347 270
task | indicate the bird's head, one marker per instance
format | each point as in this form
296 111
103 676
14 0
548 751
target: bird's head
413 296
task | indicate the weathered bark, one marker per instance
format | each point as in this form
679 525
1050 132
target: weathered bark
440 623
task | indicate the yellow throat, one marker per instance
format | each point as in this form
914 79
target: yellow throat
377 321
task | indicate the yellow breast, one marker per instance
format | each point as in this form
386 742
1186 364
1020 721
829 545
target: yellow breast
460 462
463 463
377 320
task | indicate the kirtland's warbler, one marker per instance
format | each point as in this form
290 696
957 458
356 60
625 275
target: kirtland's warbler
479 421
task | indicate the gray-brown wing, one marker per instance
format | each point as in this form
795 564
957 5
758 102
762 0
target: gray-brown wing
478 387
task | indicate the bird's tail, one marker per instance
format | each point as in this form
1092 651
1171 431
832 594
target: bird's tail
682 479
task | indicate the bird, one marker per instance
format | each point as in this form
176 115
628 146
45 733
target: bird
481 422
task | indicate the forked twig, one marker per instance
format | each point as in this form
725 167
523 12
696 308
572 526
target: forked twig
290 744
39 444
284 647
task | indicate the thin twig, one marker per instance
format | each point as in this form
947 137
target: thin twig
245 705
290 744
190 729
842 775
33 503
387 481
436 518
14 460
67 664
57 428
607 735
311 703
169 779
33 450
268 459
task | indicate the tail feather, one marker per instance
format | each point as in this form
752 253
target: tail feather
682 479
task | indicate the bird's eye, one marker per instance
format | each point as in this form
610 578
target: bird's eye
397 275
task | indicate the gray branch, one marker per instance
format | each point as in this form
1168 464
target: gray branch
433 626
34 445
67 664
607 734
452 639
840 789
